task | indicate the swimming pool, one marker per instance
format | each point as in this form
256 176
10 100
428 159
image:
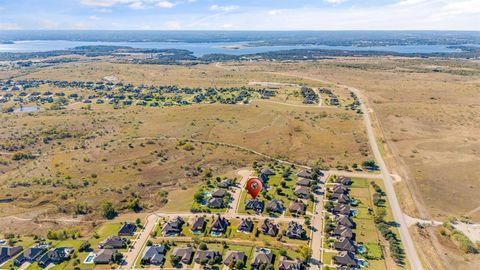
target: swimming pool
354 212
216 234
361 249
362 263
89 258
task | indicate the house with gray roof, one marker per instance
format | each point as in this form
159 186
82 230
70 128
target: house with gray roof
345 258
154 255
345 244
275 206
6 253
286 264
198 225
246 225
262 256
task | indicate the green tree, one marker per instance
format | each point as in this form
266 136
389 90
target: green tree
108 210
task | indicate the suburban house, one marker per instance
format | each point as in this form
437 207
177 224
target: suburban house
267 171
255 205
342 209
286 264
295 231
185 254
234 256
198 225
204 256
344 180
105 256
246 225
6 253
30 255
302 191
128 229
219 193
173 227
345 221
297 208
340 189
154 255
219 225
342 198
275 206
56 256
345 244
262 256
343 232
215 203
269 228
225 183
305 174
113 242
345 258
304 182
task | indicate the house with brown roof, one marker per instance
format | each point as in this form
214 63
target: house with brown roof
234 256
185 254
297 208
304 182
302 191
341 209
205 256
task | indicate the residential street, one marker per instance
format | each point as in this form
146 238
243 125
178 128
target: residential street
245 174
317 233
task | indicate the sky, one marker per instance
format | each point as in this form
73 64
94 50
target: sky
241 14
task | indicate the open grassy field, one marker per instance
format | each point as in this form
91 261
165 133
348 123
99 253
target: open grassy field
85 155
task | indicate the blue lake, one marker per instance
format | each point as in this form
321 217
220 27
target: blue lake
202 48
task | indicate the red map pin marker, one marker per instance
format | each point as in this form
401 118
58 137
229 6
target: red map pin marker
254 186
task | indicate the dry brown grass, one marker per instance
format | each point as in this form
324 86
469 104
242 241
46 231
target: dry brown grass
117 152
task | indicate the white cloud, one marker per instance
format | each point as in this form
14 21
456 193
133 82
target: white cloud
224 8
165 4
137 5
274 12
